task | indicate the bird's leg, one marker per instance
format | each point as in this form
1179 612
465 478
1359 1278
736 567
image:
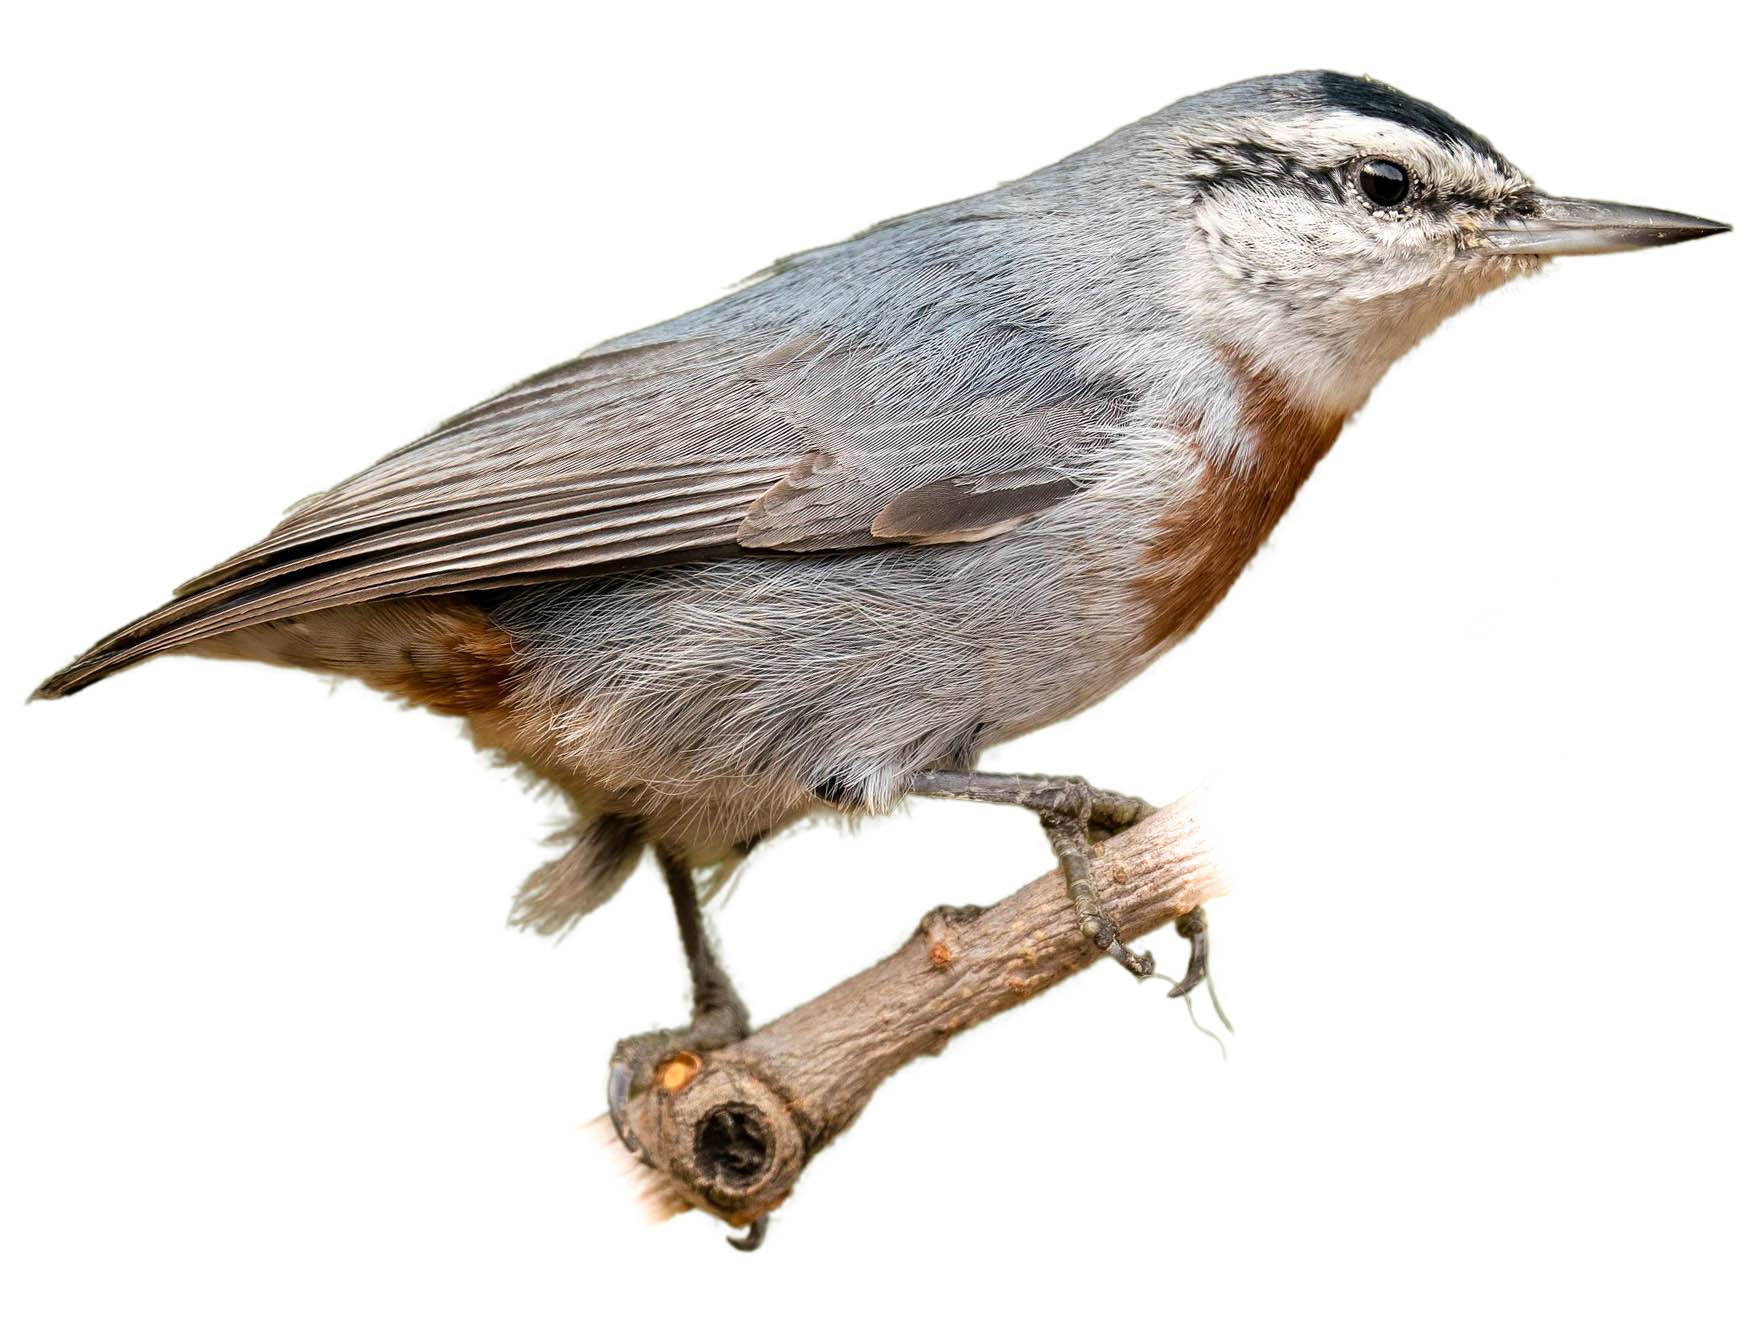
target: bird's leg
718 1017
1075 817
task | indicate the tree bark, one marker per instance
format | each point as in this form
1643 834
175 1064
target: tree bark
731 1133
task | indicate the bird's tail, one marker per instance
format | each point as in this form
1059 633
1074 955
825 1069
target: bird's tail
565 889
127 646
437 652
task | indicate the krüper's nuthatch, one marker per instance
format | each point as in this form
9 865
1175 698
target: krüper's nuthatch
819 544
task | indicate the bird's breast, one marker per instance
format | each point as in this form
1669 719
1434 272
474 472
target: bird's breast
1227 505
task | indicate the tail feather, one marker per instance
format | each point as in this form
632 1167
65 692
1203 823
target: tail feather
102 659
566 889
439 652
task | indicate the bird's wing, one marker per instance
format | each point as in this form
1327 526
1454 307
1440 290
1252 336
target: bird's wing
631 456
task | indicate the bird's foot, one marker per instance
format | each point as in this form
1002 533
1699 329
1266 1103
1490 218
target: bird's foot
668 1058
1076 816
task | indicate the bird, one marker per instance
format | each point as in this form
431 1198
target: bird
813 548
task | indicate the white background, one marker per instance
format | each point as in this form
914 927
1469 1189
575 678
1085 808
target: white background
1480 726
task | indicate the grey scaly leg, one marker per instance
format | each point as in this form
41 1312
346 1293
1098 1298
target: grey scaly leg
718 1017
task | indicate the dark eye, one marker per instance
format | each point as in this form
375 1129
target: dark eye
1383 183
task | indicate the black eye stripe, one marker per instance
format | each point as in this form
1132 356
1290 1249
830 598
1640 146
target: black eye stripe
1383 183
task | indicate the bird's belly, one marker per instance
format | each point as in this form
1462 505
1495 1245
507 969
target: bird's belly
733 696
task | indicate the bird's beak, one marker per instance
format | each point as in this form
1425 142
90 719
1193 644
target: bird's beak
1563 226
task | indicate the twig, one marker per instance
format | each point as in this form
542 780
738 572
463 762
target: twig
731 1133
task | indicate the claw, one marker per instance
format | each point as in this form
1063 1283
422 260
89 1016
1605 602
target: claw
753 1238
617 1096
1192 926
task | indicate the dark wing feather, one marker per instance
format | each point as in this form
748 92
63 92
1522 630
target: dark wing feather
949 456
969 508
637 455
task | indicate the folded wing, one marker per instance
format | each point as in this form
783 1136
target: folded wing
633 456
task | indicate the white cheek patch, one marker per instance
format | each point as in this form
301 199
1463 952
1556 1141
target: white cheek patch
1320 286
1283 240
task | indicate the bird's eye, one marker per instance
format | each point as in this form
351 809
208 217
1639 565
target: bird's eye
1383 183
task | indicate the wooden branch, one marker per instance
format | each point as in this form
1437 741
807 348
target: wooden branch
731 1133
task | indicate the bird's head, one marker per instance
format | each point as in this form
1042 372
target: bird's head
1330 221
